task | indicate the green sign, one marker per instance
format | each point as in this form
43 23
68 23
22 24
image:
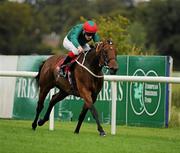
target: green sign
26 92
146 101
138 103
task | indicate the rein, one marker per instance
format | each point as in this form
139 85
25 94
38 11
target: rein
105 57
82 65
97 76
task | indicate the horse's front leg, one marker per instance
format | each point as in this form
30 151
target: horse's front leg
55 98
89 99
95 116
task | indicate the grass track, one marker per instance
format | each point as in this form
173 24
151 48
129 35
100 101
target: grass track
16 136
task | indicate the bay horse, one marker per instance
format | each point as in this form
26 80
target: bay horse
87 75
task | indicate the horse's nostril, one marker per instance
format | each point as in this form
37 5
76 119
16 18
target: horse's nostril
113 71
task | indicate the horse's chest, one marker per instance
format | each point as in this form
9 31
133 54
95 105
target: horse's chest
97 84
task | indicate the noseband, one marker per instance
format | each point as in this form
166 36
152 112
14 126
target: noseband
106 60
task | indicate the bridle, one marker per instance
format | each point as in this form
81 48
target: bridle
105 57
107 60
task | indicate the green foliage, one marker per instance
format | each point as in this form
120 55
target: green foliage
161 19
138 34
175 106
63 14
176 95
106 7
116 28
175 117
25 34
144 29
21 29
138 37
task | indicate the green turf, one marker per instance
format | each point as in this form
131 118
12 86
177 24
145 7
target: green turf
17 137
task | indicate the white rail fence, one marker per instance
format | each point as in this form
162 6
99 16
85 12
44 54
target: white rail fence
112 78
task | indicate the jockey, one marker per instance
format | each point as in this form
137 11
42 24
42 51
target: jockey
76 41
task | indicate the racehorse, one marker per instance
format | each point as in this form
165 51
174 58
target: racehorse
87 78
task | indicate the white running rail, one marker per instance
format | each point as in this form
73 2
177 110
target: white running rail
18 74
112 78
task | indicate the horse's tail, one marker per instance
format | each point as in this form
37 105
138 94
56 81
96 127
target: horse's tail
38 75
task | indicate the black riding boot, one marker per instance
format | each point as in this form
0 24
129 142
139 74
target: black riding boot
62 67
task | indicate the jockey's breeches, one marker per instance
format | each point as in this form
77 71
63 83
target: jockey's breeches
70 47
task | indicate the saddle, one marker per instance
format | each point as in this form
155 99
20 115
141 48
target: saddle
69 70
68 67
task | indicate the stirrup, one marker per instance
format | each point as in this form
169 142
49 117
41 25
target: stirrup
62 72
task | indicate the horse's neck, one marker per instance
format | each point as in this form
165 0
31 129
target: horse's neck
91 61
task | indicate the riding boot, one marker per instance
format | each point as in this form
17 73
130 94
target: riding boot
67 60
63 65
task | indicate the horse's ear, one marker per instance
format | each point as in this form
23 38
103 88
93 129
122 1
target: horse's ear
96 44
110 41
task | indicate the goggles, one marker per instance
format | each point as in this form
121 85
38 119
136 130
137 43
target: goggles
89 34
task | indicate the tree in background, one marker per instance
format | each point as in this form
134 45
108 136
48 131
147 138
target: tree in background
62 14
116 28
136 30
162 22
21 29
29 23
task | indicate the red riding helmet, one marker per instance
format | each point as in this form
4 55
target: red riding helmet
90 27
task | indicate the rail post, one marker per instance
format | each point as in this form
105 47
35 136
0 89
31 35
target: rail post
113 109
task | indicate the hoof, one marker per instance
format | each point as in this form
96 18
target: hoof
40 122
34 125
76 132
102 133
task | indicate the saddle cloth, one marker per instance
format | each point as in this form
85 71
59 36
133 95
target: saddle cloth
68 70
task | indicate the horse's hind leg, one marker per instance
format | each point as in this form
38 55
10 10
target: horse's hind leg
81 118
42 95
56 98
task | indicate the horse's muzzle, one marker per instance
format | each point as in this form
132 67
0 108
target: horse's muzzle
113 71
113 67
